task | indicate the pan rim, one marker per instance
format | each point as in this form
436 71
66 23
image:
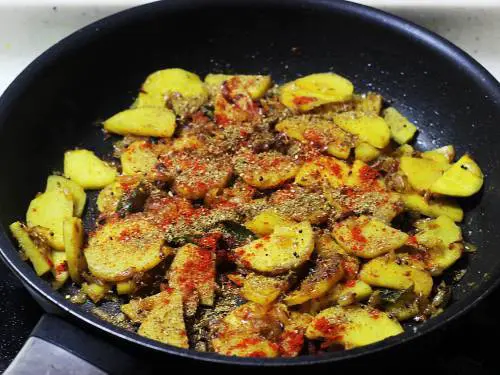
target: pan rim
471 68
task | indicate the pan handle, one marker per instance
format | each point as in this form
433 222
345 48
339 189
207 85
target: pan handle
57 347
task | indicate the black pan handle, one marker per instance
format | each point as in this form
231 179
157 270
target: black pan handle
57 347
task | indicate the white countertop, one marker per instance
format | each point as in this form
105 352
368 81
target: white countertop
28 27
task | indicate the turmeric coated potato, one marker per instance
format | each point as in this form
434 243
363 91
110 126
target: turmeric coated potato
121 248
236 217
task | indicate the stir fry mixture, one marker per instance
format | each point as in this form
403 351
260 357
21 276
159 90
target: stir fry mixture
256 220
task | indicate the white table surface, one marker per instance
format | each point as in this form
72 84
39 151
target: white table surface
28 27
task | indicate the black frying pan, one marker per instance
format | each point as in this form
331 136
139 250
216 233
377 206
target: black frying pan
56 102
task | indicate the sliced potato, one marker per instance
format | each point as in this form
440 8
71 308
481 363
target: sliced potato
386 272
265 170
193 273
366 152
108 198
367 237
143 121
36 253
369 128
404 150
261 289
246 345
69 187
352 326
119 249
350 292
255 85
323 277
318 131
442 228
138 158
433 207
265 222
182 89
87 170
241 331
286 248
96 292
441 236
48 210
73 246
421 173
126 287
463 179
292 338
444 154
365 177
196 174
369 103
334 171
137 309
314 90
59 268
165 322
402 130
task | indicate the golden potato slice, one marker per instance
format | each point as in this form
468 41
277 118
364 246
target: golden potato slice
365 177
96 292
196 174
138 158
300 204
59 268
120 248
69 187
255 85
314 90
433 207
165 322
323 277
369 103
126 287
143 121
421 173
73 247
366 152
246 345
292 340
261 289
386 272
286 248
265 222
441 237
137 309
367 237
183 90
444 154
402 130
463 179
404 150
369 128
350 292
265 170
192 272
37 254
48 210
320 132
313 172
241 331
352 326
87 170
108 198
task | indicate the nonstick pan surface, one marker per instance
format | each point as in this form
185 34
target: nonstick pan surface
57 102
